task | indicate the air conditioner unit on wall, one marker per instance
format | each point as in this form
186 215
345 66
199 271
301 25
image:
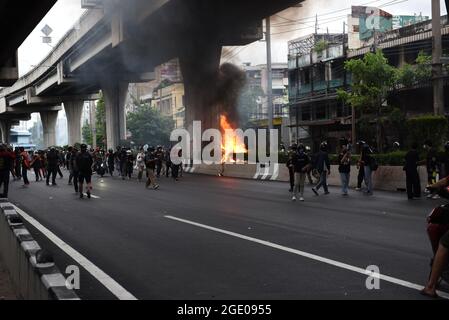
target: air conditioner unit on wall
91 4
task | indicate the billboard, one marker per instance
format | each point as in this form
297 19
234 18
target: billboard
372 20
405 21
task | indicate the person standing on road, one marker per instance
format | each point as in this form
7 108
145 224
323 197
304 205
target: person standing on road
52 166
36 164
431 166
111 162
324 168
361 169
301 164
140 164
150 162
168 164
73 167
291 168
25 165
411 173
369 164
84 162
159 160
60 163
344 168
17 165
6 163
129 164
68 164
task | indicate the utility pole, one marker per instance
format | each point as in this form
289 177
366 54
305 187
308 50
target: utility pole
437 53
269 75
345 84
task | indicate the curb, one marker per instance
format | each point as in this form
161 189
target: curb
33 272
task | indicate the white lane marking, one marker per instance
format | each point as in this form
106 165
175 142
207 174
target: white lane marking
309 256
110 284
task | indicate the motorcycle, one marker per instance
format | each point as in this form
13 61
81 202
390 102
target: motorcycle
101 168
438 222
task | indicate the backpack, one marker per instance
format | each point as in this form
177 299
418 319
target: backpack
374 165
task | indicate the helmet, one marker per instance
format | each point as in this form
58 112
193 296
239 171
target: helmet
84 146
129 152
301 147
323 146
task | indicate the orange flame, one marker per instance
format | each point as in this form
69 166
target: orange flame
231 143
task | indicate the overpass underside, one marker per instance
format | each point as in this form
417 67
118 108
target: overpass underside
123 42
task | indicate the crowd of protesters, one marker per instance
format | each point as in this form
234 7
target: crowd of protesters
82 163
302 165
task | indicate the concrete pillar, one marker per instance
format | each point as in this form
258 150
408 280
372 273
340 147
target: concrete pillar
73 111
48 119
5 127
200 65
115 97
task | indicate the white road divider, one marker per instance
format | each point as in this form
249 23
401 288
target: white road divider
314 257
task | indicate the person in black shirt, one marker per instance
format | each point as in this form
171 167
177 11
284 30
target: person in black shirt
367 161
290 166
6 164
301 164
159 159
84 162
111 161
411 173
129 164
344 161
150 162
323 166
73 167
52 166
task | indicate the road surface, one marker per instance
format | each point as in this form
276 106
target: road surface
229 239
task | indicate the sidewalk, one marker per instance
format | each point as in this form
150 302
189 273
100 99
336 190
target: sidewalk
6 290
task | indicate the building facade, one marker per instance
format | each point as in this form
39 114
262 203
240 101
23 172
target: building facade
257 82
316 72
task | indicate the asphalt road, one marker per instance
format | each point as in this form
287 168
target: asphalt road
127 234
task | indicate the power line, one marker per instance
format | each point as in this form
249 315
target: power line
336 11
331 19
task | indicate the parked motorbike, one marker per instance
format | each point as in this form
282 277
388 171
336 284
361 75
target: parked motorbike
438 224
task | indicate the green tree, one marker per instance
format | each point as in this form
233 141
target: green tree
423 71
100 121
372 78
147 125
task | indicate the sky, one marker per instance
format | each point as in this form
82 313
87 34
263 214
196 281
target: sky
331 14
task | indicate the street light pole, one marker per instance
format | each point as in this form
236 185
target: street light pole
437 53
269 75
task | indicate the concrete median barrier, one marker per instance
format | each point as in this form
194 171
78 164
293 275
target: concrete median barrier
34 275
386 178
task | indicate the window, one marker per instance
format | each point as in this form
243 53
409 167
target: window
306 113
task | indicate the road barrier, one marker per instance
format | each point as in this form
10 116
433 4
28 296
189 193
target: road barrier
33 272
386 178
